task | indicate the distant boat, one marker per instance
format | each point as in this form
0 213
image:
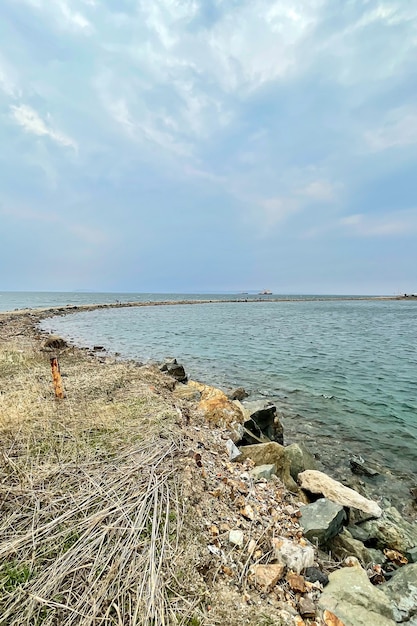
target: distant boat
265 292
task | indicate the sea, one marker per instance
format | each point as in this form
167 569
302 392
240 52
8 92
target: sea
342 372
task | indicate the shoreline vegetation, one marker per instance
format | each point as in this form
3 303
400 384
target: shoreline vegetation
140 499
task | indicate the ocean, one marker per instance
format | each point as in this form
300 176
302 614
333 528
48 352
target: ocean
343 373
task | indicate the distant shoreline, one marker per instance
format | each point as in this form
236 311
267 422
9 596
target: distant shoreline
72 308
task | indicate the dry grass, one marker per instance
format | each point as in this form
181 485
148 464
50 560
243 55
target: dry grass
89 495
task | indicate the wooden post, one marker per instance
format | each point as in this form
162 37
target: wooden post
56 377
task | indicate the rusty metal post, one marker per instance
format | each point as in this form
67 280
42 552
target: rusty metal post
56 377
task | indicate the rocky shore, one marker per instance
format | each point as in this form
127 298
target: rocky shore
264 536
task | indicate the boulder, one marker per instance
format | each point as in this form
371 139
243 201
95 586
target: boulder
216 407
344 545
271 453
402 591
391 531
321 520
300 459
177 371
263 421
411 555
319 483
187 392
359 466
55 343
352 598
263 471
238 394
295 556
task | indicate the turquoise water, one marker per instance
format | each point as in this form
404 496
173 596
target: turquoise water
344 374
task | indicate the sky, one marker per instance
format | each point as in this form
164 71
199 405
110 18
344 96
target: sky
208 145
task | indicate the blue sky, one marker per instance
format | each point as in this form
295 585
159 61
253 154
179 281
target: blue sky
208 145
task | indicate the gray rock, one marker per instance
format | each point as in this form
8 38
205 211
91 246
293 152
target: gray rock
271 453
293 555
238 394
391 531
358 533
321 520
263 421
300 459
313 574
176 371
234 452
263 471
411 555
377 556
402 591
345 545
359 466
355 601
318 482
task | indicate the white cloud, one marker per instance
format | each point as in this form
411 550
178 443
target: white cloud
386 225
31 122
398 129
320 190
63 13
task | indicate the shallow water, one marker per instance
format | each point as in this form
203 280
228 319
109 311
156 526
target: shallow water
344 374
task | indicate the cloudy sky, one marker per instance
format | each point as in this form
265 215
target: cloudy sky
208 145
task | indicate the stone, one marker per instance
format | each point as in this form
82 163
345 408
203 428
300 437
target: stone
313 575
300 459
363 468
307 607
169 360
295 556
345 545
296 582
352 598
318 482
391 531
263 471
266 576
238 394
263 421
358 533
321 520
411 555
217 409
402 591
271 453
55 343
177 371
234 452
377 557
236 538
236 431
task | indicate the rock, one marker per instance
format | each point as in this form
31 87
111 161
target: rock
358 533
345 545
296 582
238 394
187 392
236 431
263 421
391 531
363 468
318 482
300 459
377 556
263 471
411 555
313 575
55 343
352 598
271 453
321 520
307 607
236 538
293 555
234 452
170 360
177 371
402 591
216 407
266 576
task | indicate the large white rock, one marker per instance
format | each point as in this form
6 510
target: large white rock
295 556
318 482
